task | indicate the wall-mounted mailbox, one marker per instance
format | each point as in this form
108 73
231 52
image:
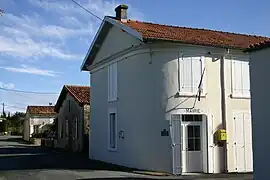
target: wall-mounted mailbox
221 135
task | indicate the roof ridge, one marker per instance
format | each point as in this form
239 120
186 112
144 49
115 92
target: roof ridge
67 85
193 28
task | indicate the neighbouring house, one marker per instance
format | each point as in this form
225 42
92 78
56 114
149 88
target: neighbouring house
260 98
37 117
169 98
73 108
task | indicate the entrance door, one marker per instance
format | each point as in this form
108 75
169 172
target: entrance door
192 153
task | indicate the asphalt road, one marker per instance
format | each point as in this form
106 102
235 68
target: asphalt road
19 161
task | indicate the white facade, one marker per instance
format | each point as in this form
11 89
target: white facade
34 125
259 73
137 121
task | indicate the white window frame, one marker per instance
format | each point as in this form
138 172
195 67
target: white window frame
112 82
184 93
112 111
233 94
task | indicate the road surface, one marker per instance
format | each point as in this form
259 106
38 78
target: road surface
19 161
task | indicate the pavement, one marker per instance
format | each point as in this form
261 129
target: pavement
21 161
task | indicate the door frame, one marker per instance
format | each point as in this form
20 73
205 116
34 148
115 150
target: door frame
205 130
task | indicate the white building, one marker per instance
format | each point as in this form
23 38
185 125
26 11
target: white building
259 73
145 110
36 118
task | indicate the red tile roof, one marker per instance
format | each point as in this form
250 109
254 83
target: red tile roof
40 110
150 31
258 46
81 94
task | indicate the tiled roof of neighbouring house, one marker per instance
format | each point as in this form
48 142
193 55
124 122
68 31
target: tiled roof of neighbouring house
258 46
40 110
81 94
150 31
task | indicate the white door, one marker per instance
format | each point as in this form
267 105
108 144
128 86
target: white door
192 156
243 142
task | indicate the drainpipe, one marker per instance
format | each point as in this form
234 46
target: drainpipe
223 107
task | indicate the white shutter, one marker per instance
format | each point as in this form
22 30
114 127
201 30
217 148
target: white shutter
196 72
237 78
245 79
176 143
112 82
186 80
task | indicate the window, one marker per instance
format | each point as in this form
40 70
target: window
194 137
240 79
76 133
66 128
112 82
191 69
112 140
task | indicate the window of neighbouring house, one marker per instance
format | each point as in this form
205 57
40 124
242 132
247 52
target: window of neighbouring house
112 130
76 128
67 128
191 69
240 78
112 82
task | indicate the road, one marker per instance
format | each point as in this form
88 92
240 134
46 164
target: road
19 161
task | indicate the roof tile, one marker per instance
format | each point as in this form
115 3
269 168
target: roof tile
80 93
193 35
41 110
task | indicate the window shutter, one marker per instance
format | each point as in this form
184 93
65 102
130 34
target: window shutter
237 78
109 82
245 78
114 81
197 72
186 72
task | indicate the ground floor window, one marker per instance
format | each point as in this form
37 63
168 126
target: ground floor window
112 130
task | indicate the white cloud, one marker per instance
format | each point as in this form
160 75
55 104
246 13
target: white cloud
7 85
31 70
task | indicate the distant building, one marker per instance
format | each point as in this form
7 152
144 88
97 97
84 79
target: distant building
36 118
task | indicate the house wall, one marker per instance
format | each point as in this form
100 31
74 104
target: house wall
146 85
66 113
109 48
259 73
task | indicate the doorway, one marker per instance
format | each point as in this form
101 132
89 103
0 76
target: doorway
192 152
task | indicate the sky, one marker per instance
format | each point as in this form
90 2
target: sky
43 42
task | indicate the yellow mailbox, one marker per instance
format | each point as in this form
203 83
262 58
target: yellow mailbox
221 135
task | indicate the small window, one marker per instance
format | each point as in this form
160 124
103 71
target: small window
76 128
112 130
67 128
112 82
191 118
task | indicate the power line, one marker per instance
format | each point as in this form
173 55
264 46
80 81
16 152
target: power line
86 10
27 92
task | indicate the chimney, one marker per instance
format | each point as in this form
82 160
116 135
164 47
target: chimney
121 12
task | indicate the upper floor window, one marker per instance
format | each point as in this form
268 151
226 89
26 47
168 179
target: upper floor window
240 79
112 82
191 69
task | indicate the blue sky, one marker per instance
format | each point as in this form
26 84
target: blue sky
43 42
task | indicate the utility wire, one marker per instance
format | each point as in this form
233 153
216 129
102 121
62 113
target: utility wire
78 4
27 92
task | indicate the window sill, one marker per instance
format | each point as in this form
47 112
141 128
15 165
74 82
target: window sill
112 149
239 96
112 100
179 94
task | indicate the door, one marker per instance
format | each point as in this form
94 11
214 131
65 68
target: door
243 142
192 156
